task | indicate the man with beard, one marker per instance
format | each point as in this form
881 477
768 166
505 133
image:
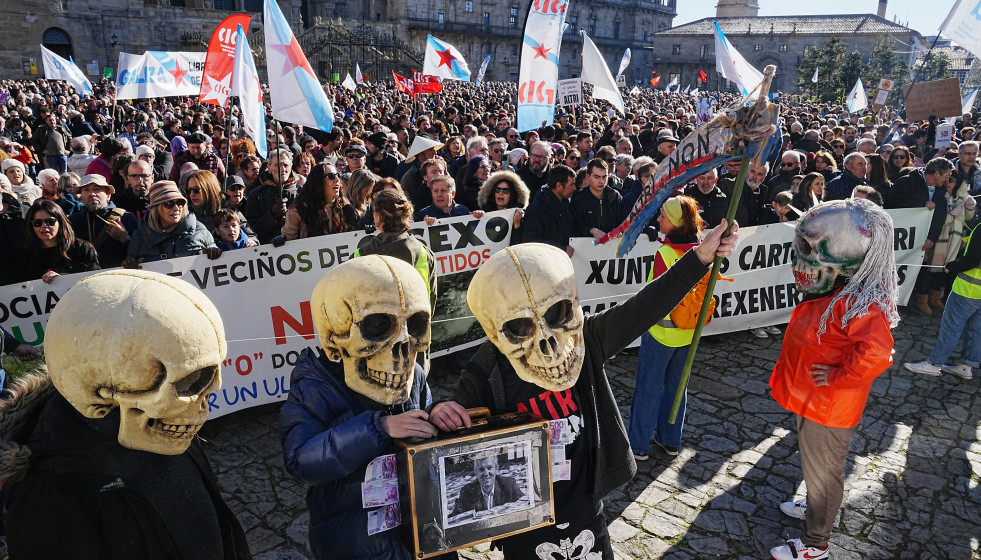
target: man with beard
134 198
101 223
535 172
267 203
754 196
380 162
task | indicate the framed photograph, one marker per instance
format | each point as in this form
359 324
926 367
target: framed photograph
475 485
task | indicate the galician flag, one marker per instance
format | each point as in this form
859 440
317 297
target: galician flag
483 69
857 100
814 78
57 68
294 91
624 62
245 85
443 60
357 74
733 66
967 102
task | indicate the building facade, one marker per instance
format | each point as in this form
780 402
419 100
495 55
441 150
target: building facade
778 40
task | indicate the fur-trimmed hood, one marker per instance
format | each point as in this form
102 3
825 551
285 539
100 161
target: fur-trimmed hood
486 194
19 413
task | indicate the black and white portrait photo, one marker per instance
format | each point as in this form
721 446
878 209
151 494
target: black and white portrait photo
486 484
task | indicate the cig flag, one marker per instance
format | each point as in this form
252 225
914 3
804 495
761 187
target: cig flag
538 74
857 100
595 71
733 66
963 25
245 85
295 93
483 69
220 61
624 62
57 68
444 60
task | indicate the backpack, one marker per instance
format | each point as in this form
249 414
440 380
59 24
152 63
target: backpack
685 314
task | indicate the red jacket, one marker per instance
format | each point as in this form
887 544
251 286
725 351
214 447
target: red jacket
859 353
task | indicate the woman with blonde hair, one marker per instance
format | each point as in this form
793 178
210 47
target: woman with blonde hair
168 230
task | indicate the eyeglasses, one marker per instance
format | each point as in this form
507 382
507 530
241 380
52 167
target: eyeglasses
330 176
498 151
899 156
50 222
785 164
193 190
169 205
143 176
354 156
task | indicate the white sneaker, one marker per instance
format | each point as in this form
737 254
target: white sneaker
796 509
641 456
773 329
759 332
963 371
796 550
923 368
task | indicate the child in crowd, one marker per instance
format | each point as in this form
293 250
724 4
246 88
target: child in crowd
780 210
228 231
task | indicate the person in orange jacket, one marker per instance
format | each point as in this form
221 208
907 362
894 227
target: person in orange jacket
837 342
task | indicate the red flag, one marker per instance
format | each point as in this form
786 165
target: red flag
216 82
702 76
424 83
403 84
655 80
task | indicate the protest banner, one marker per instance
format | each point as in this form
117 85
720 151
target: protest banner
159 74
939 98
263 292
570 92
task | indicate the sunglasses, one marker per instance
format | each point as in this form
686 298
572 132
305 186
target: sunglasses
788 165
899 156
498 151
193 190
330 176
502 190
355 156
50 222
169 205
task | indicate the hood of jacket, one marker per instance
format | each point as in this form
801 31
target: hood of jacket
19 414
486 194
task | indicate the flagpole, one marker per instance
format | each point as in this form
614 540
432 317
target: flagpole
228 150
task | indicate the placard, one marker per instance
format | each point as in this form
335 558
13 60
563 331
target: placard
570 92
940 98
945 133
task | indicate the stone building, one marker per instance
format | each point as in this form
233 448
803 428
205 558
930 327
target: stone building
779 40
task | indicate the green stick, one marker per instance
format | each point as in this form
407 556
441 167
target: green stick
737 194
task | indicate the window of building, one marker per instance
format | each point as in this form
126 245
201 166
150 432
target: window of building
487 49
514 50
675 49
783 48
574 23
513 17
181 4
441 20
592 27
228 5
758 48
703 51
616 29
250 5
468 6
485 21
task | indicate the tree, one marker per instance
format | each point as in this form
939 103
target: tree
934 66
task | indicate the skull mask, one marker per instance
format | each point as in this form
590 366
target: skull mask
832 241
525 299
147 343
373 314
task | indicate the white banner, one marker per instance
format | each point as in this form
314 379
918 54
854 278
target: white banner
159 74
762 292
263 292
263 296
539 67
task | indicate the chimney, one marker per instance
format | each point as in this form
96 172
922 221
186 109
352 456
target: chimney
882 9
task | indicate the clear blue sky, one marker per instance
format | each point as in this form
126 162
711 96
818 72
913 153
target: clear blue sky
923 16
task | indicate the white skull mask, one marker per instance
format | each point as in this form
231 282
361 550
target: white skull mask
525 299
147 343
373 314
832 241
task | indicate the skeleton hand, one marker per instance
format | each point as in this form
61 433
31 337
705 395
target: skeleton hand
408 424
449 416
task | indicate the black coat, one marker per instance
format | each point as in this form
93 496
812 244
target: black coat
911 191
471 497
547 220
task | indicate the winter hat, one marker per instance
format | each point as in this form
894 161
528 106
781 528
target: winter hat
163 191
10 162
672 211
378 139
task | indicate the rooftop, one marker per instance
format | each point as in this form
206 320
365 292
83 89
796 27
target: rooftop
785 25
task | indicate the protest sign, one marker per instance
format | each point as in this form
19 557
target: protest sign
945 133
262 293
570 92
940 98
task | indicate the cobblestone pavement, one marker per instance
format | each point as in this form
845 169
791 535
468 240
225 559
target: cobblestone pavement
912 488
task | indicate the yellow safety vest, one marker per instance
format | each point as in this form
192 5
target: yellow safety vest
665 331
968 283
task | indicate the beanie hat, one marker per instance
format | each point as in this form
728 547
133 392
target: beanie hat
163 191
378 139
672 211
10 162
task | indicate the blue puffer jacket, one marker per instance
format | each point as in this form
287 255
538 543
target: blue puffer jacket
189 238
329 435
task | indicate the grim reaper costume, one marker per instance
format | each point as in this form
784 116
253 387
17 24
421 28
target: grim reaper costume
100 458
544 357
